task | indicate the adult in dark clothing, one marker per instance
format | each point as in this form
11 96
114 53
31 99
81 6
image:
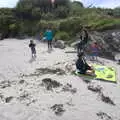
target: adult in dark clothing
32 45
82 66
84 40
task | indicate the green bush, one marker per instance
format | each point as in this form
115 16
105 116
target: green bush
76 8
47 16
14 29
71 26
61 12
27 28
62 36
43 25
36 13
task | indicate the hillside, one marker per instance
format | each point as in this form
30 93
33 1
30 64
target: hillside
29 18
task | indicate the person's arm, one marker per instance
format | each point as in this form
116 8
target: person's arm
29 45
45 33
84 61
82 36
100 46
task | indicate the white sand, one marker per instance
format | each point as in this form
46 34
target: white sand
15 60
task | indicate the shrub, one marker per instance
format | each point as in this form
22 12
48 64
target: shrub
71 26
47 16
62 36
36 13
61 12
14 29
42 25
76 8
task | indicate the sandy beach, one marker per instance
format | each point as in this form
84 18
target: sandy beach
45 88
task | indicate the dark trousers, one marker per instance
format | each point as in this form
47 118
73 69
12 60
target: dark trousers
79 48
33 53
84 69
49 44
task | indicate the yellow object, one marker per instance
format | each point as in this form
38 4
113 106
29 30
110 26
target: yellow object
105 73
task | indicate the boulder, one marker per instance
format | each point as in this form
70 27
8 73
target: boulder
109 42
59 44
1 36
117 57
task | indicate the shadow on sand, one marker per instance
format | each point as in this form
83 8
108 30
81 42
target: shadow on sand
33 59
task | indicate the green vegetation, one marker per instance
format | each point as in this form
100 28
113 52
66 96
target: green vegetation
62 36
30 17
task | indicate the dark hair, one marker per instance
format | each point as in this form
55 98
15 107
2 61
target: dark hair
86 33
31 40
95 43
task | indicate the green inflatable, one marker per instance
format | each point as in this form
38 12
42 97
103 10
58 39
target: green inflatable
102 73
105 73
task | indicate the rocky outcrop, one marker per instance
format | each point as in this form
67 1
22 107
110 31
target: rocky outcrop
59 44
109 41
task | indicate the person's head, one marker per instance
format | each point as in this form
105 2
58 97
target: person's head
85 30
31 41
95 43
49 27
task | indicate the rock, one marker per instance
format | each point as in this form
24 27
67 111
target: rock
1 96
117 57
58 109
0 36
5 84
109 42
103 116
59 44
107 99
22 81
23 96
113 34
70 67
96 89
43 71
8 99
57 71
68 88
50 84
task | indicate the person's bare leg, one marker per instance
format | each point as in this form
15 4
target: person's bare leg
51 45
90 72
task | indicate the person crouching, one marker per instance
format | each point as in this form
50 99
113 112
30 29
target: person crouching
82 66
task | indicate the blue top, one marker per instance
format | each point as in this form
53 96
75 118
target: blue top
48 35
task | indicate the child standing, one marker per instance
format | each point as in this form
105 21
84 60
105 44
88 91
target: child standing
32 45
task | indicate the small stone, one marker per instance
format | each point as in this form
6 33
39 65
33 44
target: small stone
8 99
107 99
22 81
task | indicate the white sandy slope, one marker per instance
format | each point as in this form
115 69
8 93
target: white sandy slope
15 60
